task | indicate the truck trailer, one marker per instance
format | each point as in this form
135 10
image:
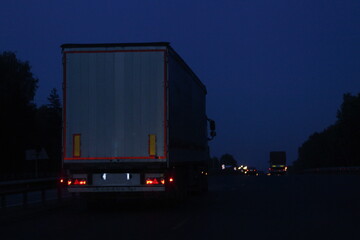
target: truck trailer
277 163
134 121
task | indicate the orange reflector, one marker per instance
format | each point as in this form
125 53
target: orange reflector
76 145
152 144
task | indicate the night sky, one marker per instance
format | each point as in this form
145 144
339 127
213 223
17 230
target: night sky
275 70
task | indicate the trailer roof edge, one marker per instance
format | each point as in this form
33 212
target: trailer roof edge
86 45
140 44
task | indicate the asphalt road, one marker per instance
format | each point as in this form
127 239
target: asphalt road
236 207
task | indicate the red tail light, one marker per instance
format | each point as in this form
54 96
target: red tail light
82 182
76 181
153 181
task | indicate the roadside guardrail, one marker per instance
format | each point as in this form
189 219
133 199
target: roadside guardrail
26 187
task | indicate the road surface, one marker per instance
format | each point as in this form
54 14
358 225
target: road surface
236 207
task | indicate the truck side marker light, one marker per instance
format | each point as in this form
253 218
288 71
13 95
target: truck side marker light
69 182
61 180
171 179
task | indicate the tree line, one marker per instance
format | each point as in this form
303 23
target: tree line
339 144
27 129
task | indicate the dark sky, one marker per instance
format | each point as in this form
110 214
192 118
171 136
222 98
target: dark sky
275 70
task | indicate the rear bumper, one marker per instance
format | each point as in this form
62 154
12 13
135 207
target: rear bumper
124 189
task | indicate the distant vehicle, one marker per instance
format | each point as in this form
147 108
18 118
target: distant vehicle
251 171
134 121
228 169
277 163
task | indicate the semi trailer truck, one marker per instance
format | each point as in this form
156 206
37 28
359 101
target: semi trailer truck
134 121
277 163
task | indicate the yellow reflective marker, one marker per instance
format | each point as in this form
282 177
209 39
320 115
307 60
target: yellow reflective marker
76 145
152 144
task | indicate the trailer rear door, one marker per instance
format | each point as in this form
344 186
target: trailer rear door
115 104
